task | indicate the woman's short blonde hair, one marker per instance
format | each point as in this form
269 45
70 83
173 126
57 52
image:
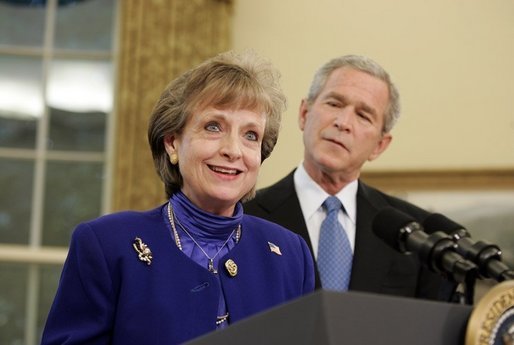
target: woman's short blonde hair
226 81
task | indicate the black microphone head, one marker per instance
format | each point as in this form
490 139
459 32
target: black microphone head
393 226
438 222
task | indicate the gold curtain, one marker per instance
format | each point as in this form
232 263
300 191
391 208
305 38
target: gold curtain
158 40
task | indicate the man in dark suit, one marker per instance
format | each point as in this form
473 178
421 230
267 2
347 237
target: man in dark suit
346 120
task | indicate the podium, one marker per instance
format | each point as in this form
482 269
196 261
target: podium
353 318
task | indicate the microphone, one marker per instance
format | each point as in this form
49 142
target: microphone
485 255
437 250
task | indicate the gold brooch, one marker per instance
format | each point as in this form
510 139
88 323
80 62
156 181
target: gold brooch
231 267
143 251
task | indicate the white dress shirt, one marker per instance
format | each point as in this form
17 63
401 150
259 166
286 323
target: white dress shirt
312 196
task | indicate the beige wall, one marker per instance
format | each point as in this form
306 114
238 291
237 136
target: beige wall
453 62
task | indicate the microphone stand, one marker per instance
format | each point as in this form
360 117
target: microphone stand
441 254
487 256
465 275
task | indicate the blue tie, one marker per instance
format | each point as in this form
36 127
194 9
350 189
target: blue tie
334 250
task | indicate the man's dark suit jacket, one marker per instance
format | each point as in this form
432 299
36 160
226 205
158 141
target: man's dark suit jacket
377 268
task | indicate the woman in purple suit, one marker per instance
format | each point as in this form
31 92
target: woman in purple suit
196 263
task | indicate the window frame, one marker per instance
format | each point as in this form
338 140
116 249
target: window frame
34 254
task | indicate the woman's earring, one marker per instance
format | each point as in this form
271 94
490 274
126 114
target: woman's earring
174 158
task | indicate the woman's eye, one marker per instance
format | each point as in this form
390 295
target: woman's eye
212 127
251 136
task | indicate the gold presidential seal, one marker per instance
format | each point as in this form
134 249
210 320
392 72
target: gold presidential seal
492 319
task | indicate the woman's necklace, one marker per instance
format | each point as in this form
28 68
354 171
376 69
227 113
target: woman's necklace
210 266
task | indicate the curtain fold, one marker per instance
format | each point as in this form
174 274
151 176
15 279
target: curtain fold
158 40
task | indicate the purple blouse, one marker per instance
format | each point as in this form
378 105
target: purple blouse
210 231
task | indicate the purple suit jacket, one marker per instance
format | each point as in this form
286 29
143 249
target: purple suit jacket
107 295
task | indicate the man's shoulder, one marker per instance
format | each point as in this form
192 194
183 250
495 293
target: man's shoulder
284 184
271 196
381 199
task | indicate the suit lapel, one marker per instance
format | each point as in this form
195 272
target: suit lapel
371 259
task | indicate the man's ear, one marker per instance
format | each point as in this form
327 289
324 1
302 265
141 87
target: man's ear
381 146
302 113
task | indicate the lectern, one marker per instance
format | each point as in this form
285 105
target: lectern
351 318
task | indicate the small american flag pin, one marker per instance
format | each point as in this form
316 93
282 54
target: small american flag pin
274 248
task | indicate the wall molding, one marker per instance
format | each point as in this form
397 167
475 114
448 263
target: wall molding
489 179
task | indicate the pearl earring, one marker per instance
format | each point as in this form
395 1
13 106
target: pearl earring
174 158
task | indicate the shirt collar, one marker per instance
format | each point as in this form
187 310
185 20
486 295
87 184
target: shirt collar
312 196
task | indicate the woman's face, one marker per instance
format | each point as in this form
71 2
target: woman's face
219 154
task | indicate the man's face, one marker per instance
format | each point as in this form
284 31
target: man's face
342 128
